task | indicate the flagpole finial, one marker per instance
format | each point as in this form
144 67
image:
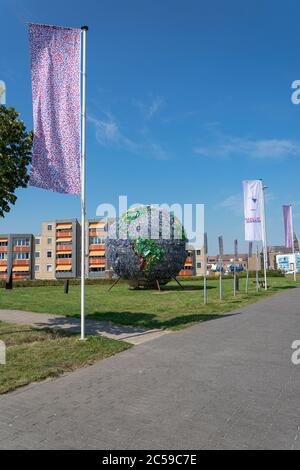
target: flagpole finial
84 28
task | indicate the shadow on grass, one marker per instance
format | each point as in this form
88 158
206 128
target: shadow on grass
186 288
279 288
148 320
126 322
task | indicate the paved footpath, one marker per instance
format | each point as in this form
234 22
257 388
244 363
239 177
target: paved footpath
131 334
224 384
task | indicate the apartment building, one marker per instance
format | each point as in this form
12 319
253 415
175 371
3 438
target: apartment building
56 253
96 234
194 263
57 250
17 256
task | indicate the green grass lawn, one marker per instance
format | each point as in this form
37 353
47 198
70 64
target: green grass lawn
172 308
33 355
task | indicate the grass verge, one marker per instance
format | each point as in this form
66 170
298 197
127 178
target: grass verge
33 355
171 308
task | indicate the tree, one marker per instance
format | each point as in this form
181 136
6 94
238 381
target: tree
15 156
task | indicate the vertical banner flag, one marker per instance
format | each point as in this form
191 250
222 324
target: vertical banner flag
55 69
288 226
253 210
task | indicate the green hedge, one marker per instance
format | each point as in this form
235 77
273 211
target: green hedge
56 282
104 281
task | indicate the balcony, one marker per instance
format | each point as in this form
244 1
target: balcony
21 262
21 249
98 233
3 262
60 248
100 262
100 247
186 273
63 261
21 276
189 260
3 249
63 234
62 226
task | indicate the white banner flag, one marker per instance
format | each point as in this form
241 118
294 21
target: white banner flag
253 210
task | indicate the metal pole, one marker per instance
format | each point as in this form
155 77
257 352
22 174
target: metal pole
247 276
256 276
83 177
264 230
293 246
234 279
234 273
220 279
205 282
249 255
221 254
205 270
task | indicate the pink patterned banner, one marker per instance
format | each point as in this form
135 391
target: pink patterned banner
55 68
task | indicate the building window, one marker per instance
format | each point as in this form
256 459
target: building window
37 268
37 254
198 252
3 243
22 242
3 256
21 256
49 254
199 265
49 240
96 240
49 228
49 268
37 241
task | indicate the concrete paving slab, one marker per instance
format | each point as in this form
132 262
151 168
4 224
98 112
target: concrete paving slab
224 384
133 335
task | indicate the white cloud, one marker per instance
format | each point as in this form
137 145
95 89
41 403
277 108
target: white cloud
235 202
109 134
273 149
149 110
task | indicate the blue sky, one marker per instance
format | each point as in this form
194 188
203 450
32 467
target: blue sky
185 100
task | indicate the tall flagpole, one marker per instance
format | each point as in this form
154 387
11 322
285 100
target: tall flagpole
264 232
293 246
205 270
256 274
83 177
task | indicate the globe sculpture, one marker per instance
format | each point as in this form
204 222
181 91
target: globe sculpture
146 247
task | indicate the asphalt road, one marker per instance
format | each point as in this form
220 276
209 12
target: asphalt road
225 384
